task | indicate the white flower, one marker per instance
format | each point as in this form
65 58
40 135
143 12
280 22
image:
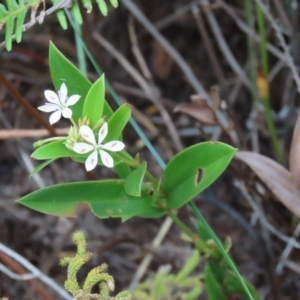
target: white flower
82 148
59 104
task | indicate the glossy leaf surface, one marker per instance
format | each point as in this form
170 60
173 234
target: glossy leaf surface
122 170
118 121
194 169
62 70
133 182
106 198
53 150
94 102
213 287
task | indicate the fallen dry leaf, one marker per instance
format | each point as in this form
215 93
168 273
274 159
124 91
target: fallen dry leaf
276 178
198 110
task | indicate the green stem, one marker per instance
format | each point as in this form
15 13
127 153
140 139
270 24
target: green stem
80 49
131 162
73 122
265 70
221 248
200 245
45 141
251 52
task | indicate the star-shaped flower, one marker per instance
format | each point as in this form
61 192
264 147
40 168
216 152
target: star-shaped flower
92 160
59 104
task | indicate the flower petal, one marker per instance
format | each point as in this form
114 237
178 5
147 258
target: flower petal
55 117
48 107
51 97
67 113
106 159
91 161
82 148
102 133
62 93
87 133
114 146
72 100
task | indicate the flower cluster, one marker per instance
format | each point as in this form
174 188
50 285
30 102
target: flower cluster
82 148
59 106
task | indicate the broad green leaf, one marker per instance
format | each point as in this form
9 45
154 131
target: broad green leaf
62 70
152 213
213 288
194 169
53 150
106 198
41 166
117 122
133 182
122 170
155 211
94 102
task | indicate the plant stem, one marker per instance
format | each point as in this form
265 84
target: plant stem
200 245
73 123
131 162
45 141
220 246
251 52
265 94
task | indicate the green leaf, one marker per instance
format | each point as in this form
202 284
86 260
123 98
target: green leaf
194 169
53 150
114 3
159 287
155 211
62 70
117 122
9 27
195 293
87 4
152 213
61 16
133 182
188 267
19 25
233 286
221 249
122 170
94 102
213 288
76 12
103 7
41 166
106 198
